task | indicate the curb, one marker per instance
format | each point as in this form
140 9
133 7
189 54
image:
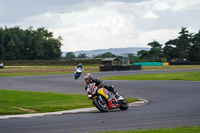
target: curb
83 110
139 103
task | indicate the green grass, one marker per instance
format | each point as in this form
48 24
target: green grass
193 129
10 71
24 102
11 101
171 67
31 74
188 76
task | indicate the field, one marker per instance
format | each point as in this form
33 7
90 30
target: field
25 102
171 67
187 76
42 70
194 129
47 70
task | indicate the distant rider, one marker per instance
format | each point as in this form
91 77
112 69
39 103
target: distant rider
79 66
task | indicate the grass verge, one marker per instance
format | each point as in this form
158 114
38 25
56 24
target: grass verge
10 71
25 102
193 129
188 76
31 74
171 67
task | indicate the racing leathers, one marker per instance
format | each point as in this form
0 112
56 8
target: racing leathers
100 83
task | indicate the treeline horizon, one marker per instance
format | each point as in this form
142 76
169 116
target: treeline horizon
184 48
39 44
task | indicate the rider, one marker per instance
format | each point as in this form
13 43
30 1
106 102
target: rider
90 79
79 66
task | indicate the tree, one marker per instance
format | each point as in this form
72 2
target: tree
82 55
12 43
2 48
180 47
105 55
28 50
183 45
132 56
69 55
143 54
18 44
45 45
155 51
195 49
169 49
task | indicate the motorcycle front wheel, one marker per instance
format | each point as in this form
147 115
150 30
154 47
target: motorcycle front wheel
123 103
100 103
76 76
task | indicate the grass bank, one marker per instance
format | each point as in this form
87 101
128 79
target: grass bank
9 71
188 76
25 102
193 129
171 67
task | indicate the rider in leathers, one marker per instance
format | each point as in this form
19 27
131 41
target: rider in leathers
79 66
89 79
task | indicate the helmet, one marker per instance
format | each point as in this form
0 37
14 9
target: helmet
80 64
88 78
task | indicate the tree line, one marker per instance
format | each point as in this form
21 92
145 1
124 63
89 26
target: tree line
186 47
70 55
28 44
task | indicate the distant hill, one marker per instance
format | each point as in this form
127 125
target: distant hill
116 51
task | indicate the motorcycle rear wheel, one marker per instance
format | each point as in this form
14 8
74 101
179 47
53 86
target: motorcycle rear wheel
100 103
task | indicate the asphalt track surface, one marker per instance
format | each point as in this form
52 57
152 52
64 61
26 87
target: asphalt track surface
171 104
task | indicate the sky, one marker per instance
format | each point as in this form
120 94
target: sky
103 24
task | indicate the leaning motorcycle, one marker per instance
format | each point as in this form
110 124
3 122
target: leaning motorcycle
77 73
105 100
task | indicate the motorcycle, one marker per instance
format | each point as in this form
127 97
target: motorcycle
105 100
77 73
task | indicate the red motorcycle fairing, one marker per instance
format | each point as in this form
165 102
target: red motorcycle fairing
112 105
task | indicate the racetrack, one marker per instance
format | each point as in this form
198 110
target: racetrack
171 104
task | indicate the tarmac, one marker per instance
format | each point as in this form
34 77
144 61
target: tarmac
83 110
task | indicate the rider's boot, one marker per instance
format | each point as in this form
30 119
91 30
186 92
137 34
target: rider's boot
114 92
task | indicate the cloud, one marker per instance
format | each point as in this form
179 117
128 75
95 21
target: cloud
150 15
161 35
185 4
94 24
105 32
161 6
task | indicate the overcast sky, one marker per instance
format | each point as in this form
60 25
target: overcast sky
102 24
